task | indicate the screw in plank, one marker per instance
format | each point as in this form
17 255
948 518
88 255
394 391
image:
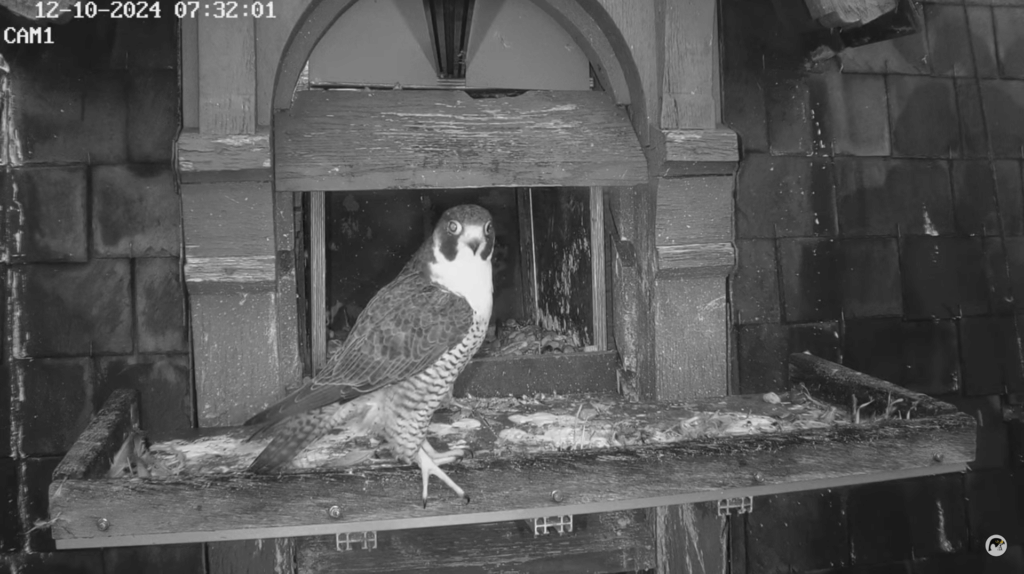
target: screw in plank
334 512
938 457
103 524
557 496
758 477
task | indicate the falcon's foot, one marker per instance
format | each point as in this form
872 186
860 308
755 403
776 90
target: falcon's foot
448 456
429 467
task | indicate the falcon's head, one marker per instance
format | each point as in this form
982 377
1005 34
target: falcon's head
462 245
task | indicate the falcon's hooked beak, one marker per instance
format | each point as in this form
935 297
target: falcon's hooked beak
475 244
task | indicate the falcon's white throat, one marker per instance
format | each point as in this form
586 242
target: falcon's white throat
468 274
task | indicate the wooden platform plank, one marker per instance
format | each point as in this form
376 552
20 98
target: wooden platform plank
611 542
406 139
531 374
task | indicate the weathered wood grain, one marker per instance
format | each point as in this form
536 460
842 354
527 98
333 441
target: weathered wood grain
695 260
405 139
275 556
212 158
840 385
527 261
228 219
598 270
289 359
235 367
694 210
530 374
691 538
611 542
91 454
716 145
637 20
227 75
144 511
688 74
189 73
317 280
845 14
227 274
691 338
697 168
271 37
625 307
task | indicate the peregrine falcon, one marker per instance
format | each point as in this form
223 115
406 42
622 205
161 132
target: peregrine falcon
402 357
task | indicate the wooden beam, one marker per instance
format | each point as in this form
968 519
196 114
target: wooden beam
711 145
318 279
638 21
227 75
228 219
599 294
404 139
688 74
214 158
696 260
695 210
693 535
91 454
220 274
691 338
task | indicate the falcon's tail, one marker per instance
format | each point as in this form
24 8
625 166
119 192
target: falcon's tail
291 436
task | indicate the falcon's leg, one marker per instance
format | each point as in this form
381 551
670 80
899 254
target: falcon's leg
429 467
447 456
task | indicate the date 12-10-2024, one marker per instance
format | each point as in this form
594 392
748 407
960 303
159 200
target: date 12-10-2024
143 9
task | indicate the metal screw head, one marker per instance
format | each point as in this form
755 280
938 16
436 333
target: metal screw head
758 477
938 457
557 496
334 511
103 524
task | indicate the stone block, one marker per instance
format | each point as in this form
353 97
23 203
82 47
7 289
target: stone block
893 197
784 197
790 114
990 494
798 532
72 309
929 352
754 284
146 44
58 403
1010 191
136 211
973 134
944 277
152 115
171 559
162 381
851 112
983 40
990 356
763 352
1003 101
974 194
872 346
48 214
870 277
160 305
810 280
904 55
949 41
743 108
1009 28
924 118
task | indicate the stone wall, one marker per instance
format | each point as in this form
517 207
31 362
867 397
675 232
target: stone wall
880 223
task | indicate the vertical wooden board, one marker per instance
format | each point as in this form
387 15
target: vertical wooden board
189 65
528 264
598 262
227 75
641 27
694 210
691 538
271 36
275 556
738 544
625 308
691 329
228 219
289 361
688 75
318 313
235 335
561 223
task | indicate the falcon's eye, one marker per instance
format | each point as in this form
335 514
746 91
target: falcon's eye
454 227
488 228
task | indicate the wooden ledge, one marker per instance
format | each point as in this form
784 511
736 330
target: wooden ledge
217 274
716 146
696 260
216 158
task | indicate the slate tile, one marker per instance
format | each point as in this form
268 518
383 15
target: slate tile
1004 113
784 197
811 289
1014 253
870 277
171 559
47 215
64 562
890 197
955 564
755 38
136 211
948 40
974 193
929 350
872 346
152 115
763 352
1010 192
853 111
755 285
58 403
818 339
35 500
904 55
992 443
997 273
983 41
990 493
943 277
73 309
973 129
898 520
5 410
790 121
743 108
1009 27
145 44
990 355
1015 430
797 532
10 526
162 381
160 305
923 115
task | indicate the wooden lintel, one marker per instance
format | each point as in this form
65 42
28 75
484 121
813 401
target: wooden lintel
213 158
405 139
696 260
713 145
254 273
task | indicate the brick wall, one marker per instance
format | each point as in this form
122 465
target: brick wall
880 223
92 278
